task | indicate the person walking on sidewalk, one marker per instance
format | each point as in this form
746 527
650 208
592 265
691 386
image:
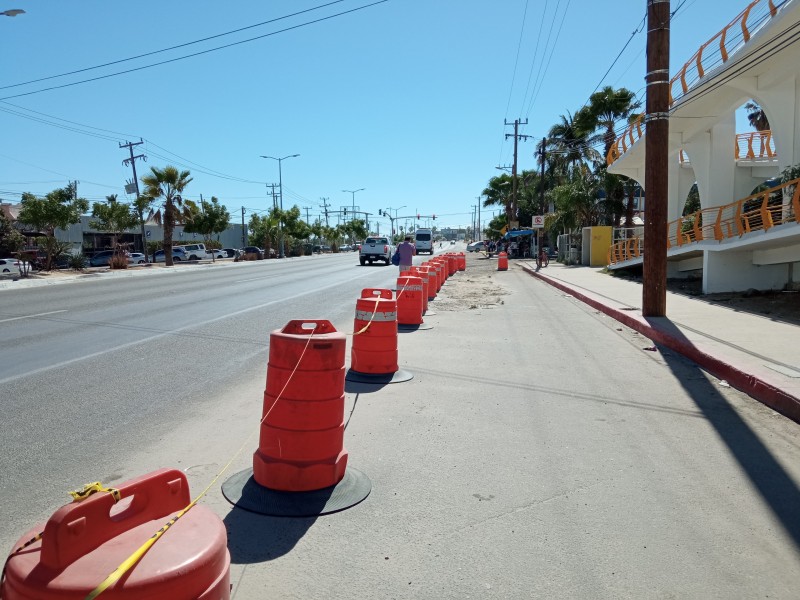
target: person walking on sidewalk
406 250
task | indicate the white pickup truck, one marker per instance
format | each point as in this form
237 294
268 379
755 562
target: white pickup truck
375 248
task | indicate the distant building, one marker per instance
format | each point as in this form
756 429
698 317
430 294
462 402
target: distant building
84 238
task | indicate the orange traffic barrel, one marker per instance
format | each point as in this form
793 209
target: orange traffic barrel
409 300
422 273
502 262
452 264
301 445
462 261
373 355
441 274
83 542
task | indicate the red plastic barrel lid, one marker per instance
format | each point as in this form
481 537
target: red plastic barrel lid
84 542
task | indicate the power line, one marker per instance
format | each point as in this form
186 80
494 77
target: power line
630 39
76 129
205 39
549 58
536 50
171 60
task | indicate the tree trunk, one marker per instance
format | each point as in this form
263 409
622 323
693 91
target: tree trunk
629 207
169 227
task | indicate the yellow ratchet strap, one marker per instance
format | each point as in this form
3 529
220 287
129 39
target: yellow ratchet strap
93 488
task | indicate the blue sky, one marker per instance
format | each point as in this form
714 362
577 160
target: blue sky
406 98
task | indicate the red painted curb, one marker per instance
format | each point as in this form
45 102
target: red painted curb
777 399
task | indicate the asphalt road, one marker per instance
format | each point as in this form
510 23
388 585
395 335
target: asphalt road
94 368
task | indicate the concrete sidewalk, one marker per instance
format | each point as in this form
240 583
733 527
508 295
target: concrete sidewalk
753 353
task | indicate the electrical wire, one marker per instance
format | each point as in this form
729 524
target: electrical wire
549 59
630 39
536 52
49 120
516 60
205 39
514 76
194 54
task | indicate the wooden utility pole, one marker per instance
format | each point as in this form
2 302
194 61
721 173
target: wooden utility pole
325 206
511 206
132 162
654 294
541 201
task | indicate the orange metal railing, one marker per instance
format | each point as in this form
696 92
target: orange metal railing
759 212
754 145
714 52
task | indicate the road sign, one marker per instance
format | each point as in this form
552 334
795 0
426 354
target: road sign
538 221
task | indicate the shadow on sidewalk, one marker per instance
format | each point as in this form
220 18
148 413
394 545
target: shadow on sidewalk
254 538
769 478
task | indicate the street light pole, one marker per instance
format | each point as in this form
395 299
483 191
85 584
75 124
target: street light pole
354 196
354 206
280 189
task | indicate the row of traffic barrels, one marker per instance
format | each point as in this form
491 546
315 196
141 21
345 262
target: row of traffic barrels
301 449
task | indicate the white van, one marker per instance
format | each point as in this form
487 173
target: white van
423 240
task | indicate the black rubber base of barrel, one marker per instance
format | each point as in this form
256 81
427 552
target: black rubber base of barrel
410 328
398 376
244 492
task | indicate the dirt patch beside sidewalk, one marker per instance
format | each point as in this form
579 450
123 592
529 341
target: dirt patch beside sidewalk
477 287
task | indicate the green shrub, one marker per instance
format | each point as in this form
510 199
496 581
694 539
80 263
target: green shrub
78 262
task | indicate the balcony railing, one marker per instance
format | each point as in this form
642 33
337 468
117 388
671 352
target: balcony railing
753 146
714 52
759 212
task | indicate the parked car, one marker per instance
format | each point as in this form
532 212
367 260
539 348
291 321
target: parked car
230 252
136 258
216 253
345 248
254 250
10 266
178 255
476 246
322 249
103 258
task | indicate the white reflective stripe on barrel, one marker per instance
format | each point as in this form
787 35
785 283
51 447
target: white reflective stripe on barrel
366 315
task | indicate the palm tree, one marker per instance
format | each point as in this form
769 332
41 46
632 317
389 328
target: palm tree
601 115
576 201
604 110
757 117
167 183
498 191
571 142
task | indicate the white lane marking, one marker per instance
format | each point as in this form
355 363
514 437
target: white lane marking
54 312
174 331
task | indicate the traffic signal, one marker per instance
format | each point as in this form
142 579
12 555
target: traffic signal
345 212
380 214
434 217
417 216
